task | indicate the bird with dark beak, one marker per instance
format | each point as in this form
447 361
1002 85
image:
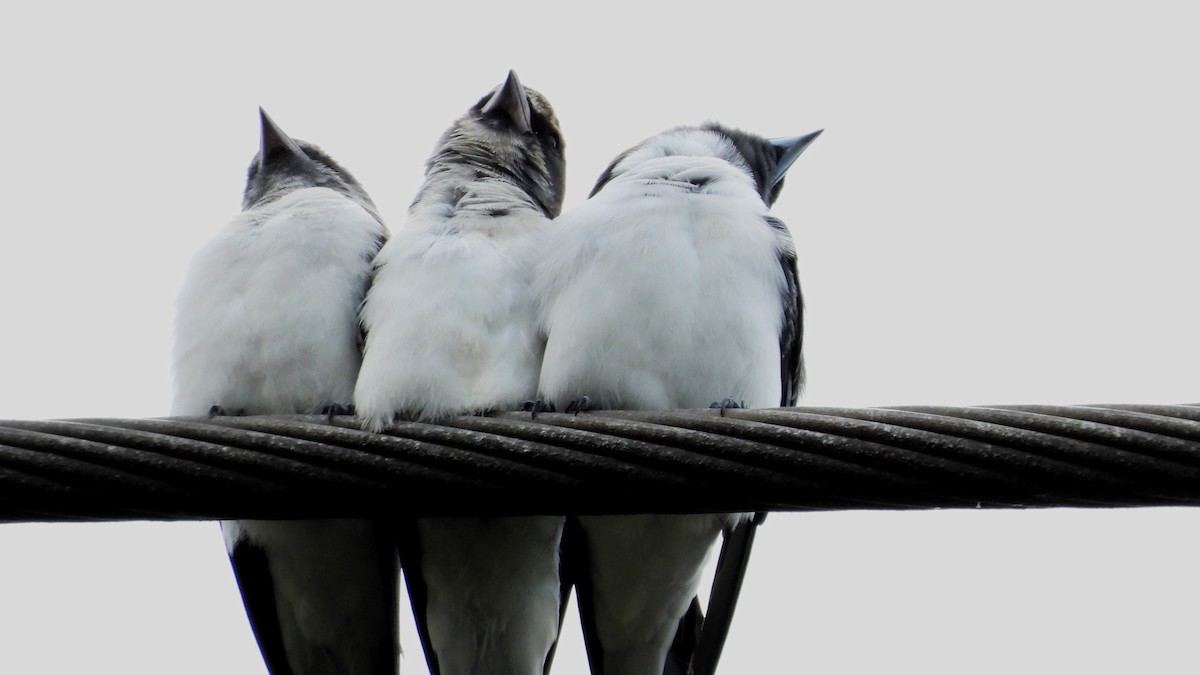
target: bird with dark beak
450 321
266 323
672 287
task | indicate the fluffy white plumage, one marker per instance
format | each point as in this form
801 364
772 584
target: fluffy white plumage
450 317
662 297
266 319
267 323
667 289
451 329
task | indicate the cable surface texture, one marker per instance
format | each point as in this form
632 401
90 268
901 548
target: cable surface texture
785 459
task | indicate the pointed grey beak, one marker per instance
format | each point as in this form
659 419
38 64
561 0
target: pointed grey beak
511 99
790 149
274 140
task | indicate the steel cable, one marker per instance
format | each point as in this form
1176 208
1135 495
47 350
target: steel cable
786 459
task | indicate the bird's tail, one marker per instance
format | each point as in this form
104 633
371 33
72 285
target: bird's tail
727 586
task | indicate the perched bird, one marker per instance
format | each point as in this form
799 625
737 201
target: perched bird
267 322
451 329
670 287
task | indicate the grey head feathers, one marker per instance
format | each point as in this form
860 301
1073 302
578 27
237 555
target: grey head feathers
764 157
284 164
510 135
766 161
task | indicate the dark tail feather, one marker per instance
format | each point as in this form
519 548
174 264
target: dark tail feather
409 547
566 578
683 649
727 585
253 576
576 566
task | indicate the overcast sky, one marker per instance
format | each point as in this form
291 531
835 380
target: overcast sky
1002 210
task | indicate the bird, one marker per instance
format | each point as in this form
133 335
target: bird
266 322
451 329
672 285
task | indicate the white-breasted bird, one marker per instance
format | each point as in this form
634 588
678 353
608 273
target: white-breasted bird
266 322
451 329
672 286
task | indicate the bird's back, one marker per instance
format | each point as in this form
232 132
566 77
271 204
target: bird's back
266 316
659 295
450 317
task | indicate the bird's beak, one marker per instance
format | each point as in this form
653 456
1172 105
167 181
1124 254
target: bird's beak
274 140
511 98
789 149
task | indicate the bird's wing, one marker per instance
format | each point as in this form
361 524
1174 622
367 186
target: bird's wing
687 636
369 646
727 585
575 572
564 598
389 649
254 580
737 544
408 543
791 334
377 243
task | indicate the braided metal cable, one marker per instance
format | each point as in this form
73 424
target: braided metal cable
916 457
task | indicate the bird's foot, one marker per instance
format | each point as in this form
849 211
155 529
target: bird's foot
536 406
727 403
218 411
337 409
576 406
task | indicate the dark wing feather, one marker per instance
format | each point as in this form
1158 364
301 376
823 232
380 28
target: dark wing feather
687 636
791 334
409 546
727 586
735 550
565 581
389 652
258 595
575 567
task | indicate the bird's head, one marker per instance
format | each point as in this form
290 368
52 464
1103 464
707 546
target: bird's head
283 164
764 161
510 134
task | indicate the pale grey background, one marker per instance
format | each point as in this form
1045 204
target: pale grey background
1002 210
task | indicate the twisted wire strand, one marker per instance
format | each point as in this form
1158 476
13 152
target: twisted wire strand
783 459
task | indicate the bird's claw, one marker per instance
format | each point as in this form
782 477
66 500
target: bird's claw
536 406
581 404
337 409
333 409
218 411
727 403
